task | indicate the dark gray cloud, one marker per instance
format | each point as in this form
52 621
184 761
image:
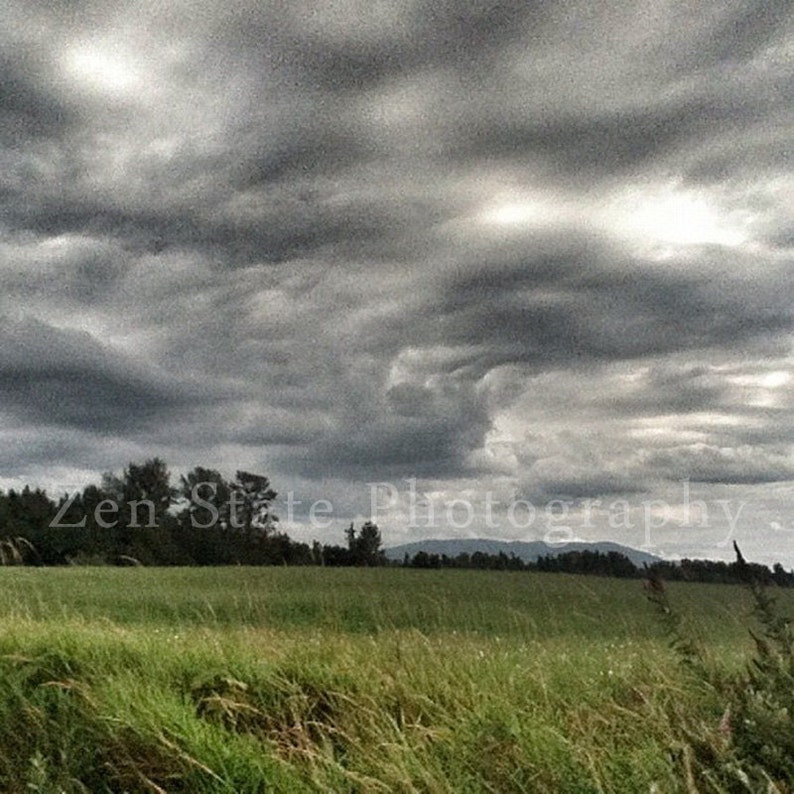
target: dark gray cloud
540 247
577 486
67 378
734 465
30 110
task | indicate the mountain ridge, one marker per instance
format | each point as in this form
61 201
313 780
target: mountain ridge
528 551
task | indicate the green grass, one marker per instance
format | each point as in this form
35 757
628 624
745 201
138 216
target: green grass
279 679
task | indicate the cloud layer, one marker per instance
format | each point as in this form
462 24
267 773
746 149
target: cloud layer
539 249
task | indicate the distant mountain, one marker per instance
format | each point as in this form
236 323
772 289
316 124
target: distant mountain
528 551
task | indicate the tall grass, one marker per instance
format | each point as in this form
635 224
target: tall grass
751 749
248 680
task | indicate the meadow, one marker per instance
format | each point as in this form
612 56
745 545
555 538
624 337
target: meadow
360 680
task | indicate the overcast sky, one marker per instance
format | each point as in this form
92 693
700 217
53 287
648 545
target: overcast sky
512 250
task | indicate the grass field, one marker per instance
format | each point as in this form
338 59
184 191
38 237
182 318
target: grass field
393 680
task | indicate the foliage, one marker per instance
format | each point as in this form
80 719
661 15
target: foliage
251 512
365 547
751 748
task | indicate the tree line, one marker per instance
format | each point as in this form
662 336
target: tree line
140 518
611 563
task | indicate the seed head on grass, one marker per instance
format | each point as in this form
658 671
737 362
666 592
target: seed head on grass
684 645
655 590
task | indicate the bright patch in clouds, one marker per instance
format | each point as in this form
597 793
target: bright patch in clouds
517 209
103 69
678 218
773 380
510 214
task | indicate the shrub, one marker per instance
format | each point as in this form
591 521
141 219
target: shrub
751 747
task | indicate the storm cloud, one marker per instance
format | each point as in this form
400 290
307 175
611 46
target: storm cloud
542 250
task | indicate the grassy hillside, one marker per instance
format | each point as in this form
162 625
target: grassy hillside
271 679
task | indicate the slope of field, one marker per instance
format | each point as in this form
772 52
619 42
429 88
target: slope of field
270 679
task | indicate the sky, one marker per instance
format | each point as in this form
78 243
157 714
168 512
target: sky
501 269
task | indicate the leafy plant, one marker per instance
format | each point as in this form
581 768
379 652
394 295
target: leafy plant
751 748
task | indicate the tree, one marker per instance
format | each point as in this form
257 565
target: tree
138 512
143 493
202 530
365 548
25 522
208 498
230 522
252 498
